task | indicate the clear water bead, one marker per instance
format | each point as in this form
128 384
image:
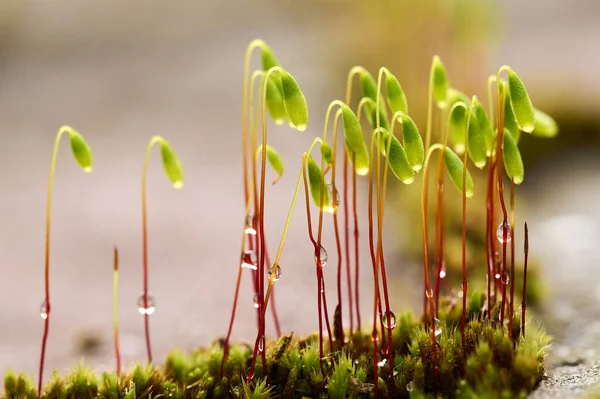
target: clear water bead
429 292
443 270
323 255
249 260
438 326
497 276
500 233
256 305
141 306
276 270
410 386
261 344
249 229
392 319
382 363
44 309
505 279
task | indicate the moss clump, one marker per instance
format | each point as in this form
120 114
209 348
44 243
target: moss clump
490 364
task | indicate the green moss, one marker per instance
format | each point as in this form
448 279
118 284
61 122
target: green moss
490 365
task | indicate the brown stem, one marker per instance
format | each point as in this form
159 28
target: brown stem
524 300
488 242
499 165
116 308
356 248
512 258
439 231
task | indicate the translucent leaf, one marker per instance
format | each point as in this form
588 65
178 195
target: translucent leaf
274 93
80 148
275 161
513 163
455 166
439 80
413 143
455 96
545 125
521 103
352 130
294 101
458 126
171 164
485 126
317 185
510 122
327 153
269 59
395 95
369 90
396 159
475 140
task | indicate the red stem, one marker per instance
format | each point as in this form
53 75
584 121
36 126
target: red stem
512 258
488 227
499 165
524 300
356 250
347 244
272 302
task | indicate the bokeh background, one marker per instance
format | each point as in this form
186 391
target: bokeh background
121 72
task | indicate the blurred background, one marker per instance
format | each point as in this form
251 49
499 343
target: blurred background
120 72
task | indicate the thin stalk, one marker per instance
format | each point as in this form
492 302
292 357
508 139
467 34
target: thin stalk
153 141
347 245
512 258
356 247
273 307
524 299
428 290
500 100
493 238
488 242
116 308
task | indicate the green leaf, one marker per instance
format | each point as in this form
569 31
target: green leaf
395 95
397 159
326 153
476 140
521 103
454 166
359 158
413 143
275 161
274 93
352 129
80 148
317 185
457 127
369 90
294 101
455 96
510 122
372 116
171 164
439 79
485 126
545 125
513 163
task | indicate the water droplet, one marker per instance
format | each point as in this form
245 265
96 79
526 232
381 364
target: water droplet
256 305
250 372
141 306
249 260
392 320
382 363
500 232
44 309
323 255
520 307
497 276
335 201
438 326
429 292
505 279
277 272
261 344
249 229
410 386
443 270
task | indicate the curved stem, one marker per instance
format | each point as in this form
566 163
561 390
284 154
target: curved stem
61 131
153 140
116 308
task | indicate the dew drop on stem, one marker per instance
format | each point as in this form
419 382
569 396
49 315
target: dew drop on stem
381 363
438 326
410 386
429 292
249 260
443 270
249 230
500 232
44 310
389 315
323 256
505 279
335 200
276 271
261 343
256 305
141 305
